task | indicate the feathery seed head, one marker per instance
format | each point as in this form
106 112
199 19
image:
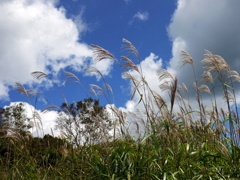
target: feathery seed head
185 87
100 53
163 74
128 46
214 63
229 97
39 74
207 77
204 88
235 75
187 58
129 64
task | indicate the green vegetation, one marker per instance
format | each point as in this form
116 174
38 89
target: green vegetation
172 140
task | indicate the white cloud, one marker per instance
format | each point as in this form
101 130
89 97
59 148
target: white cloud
78 20
48 124
35 35
141 16
4 92
130 105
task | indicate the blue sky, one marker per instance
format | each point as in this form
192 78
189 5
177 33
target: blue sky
54 36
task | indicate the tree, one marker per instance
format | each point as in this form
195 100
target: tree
13 119
84 121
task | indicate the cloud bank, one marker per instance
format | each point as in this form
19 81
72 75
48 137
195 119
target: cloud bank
202 25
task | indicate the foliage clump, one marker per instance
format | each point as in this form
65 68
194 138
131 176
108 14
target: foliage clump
85 121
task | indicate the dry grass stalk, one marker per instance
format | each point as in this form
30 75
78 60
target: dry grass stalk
173 93
185 87
215 63
164 74
39 74
235 75
129 64
101 54
228 97
72 76
187 59
207 77
91 69
19 87
204 88
128 46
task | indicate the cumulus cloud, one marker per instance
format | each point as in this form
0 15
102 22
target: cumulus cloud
35 35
